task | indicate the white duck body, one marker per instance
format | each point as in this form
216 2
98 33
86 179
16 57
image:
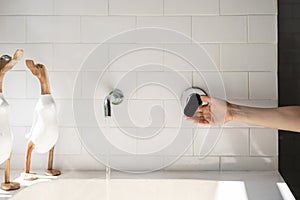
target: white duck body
6 137
44 130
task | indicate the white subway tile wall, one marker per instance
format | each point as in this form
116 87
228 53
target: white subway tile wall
71 61
263 142
194 163
191 7
235 83
98 29
52 29
175 59
15 85
248 57
238 139
235 40
220 29
136 7
244 7
80 7
14 29
180 24
261 85
262 29
30 7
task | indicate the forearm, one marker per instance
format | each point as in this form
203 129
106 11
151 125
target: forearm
284 118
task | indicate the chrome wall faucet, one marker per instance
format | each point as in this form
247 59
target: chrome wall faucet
115 97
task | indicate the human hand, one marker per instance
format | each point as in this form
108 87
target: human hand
216 112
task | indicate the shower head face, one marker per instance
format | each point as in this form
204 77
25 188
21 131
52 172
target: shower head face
192 105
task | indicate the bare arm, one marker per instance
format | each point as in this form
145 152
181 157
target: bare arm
284 118
219 112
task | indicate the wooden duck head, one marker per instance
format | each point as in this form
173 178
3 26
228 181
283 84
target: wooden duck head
7 63
40 71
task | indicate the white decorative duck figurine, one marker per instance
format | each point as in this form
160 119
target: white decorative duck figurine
44 131
6 137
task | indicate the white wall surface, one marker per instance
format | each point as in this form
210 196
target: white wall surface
239 35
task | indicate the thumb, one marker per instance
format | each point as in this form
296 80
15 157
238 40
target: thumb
206 99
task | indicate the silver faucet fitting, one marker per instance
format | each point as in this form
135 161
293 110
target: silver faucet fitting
115 97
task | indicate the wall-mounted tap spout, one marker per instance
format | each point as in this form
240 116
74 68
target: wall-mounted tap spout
107 107
114 97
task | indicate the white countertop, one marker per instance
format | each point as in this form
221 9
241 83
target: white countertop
260 185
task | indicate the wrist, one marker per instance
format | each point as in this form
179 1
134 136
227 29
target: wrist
233 111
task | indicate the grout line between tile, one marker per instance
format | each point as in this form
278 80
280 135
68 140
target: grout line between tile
249 141
80 30
108 7
53 6
26 29
247 28
248 74
219 7
163 8
191 28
